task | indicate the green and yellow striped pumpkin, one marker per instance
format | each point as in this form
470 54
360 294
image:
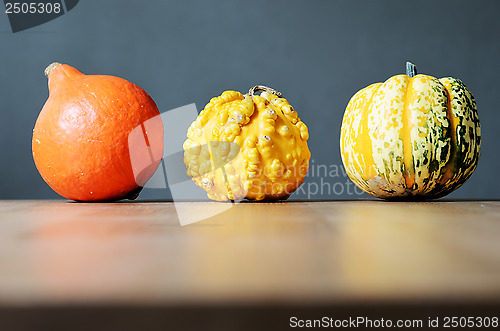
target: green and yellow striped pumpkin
411 137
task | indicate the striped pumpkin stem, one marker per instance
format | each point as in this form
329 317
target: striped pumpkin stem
411 69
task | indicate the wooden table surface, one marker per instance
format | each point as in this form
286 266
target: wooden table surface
307 254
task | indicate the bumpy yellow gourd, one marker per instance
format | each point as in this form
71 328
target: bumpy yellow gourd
411 137
247 146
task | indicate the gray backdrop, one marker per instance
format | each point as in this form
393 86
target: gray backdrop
317 52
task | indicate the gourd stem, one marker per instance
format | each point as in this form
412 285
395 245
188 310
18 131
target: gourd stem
411 69
51 67
258 88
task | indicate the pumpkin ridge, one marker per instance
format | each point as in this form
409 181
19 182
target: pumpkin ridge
365 137
354 150
453 149
464 121
431 135
409 166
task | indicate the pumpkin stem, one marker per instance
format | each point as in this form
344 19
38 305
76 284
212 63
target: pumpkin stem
257 88
411 69
51 67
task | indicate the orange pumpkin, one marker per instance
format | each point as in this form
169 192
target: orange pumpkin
82 143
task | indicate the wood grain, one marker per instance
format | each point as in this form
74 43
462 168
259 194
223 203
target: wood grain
57 252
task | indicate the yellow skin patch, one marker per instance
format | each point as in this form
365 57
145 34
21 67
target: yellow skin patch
252 147
411 137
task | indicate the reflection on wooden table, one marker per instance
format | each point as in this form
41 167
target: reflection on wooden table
344 251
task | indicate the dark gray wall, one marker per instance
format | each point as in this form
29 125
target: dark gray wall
317 52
